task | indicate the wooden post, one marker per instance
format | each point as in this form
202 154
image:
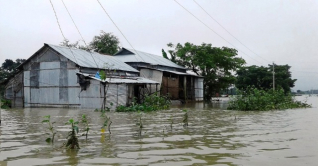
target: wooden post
157 88
192 89
185 88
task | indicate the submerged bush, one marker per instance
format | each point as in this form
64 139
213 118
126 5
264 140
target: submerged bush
261 100
5 104
151 103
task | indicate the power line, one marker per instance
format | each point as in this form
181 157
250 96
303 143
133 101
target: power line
61 29
79 31
228 31
214 31
119 30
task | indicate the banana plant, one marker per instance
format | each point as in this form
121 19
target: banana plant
84 120
47 119
72 141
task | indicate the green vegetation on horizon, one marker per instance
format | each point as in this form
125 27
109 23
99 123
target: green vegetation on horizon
261 77
254 99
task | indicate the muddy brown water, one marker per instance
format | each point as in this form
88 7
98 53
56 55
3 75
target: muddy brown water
215 136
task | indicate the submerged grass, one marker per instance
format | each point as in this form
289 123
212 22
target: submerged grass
253 99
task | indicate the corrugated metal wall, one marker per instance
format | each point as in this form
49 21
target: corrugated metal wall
94 95
14 90
50 81
154 75
198 85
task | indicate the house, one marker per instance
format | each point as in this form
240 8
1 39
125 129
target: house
57 76
173 79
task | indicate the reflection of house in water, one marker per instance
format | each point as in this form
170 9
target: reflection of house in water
57 76
174 79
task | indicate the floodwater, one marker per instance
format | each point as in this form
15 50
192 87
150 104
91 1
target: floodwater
214 137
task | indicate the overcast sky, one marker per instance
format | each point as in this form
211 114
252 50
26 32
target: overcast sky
281 31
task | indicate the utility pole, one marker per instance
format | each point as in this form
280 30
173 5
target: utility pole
273 77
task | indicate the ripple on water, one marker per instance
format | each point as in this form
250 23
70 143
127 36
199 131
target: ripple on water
214 137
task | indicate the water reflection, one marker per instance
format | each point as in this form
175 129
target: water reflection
214 137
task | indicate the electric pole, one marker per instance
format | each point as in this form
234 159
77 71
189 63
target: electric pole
273 77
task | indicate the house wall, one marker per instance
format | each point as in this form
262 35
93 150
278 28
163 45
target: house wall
50 81
93 96
170 85
14 90
154 75
198 88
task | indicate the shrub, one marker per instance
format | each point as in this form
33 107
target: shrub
151 103
5 104
262 100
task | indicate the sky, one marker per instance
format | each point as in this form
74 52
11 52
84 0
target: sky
280 31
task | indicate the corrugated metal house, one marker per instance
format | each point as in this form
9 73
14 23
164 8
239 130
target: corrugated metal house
57 76
174 79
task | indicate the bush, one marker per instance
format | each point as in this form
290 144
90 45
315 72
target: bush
151 103
253 99
5 104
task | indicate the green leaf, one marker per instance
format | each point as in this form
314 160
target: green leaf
71 121
45 121
48 140
76 129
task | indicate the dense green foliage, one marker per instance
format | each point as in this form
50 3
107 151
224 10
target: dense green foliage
5 104
262 77
151 103
105 43
254 99
215 64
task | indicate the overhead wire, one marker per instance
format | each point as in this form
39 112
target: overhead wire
119 30
79 32
57 20
215 31
229 32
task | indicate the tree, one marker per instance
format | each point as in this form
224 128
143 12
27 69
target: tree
215 64
67 43
262 77
105 43
8 69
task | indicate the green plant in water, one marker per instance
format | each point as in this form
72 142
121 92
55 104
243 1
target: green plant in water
107 121
171 121
84 120
47 119
185 118
139 123
253 99
72 141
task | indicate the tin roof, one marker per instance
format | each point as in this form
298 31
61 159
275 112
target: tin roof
85 58
119 80
130 55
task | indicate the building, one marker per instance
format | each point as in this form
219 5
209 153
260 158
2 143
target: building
57 76
174 79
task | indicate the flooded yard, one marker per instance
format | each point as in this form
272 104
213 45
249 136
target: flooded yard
214 137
